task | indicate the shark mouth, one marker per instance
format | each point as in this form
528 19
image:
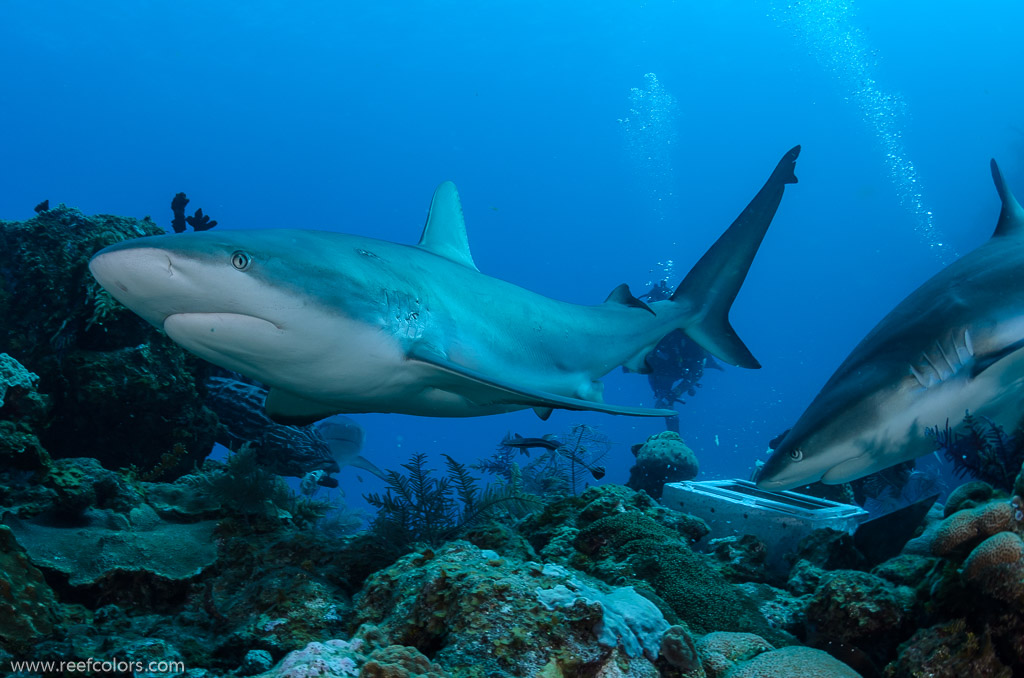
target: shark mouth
241 340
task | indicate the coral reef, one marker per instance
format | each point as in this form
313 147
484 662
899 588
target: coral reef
996 567
664 458
624 538
966 496
745 655
222 566
478 614
28 608
949 650
92 356
861 609
356 657
742 558
965 529
151 565
972 594
22 411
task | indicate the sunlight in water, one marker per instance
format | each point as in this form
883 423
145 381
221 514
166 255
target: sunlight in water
841 48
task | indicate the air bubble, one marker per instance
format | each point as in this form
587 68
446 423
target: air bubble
839 45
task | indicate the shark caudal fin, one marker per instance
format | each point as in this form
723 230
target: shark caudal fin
711 286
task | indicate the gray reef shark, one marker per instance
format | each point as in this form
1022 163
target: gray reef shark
952 346
336 323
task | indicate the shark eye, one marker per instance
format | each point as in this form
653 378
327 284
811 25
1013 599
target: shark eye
796 454
240 260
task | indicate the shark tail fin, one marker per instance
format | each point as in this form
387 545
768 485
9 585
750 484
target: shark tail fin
710 287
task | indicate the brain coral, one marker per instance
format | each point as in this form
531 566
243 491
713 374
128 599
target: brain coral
996 566
664 458
805 662
962 530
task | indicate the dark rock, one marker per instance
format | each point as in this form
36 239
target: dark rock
742 558
906 570
830 550
950 650
862 610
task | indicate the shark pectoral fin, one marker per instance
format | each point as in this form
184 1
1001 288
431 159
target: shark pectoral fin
444 234
986 361
543 412
529 397
287 408
362 462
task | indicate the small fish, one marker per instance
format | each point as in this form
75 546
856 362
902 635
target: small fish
548 442
551 442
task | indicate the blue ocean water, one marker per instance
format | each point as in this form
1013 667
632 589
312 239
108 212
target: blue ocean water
592 145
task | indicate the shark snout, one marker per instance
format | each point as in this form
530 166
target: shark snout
141 278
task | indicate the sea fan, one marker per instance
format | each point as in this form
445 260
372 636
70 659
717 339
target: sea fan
421 507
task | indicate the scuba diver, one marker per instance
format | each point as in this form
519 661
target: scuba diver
676 364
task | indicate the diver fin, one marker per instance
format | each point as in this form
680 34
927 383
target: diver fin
622 295
362 462
987 361
543 412
711 286
444 234
287 408
1011 217
528 397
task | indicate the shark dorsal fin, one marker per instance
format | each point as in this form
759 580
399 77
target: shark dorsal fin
445 231
1011 217
622 295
